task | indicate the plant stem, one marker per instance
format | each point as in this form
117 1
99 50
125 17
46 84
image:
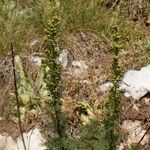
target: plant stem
17 98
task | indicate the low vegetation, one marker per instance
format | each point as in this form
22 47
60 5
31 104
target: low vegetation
122 31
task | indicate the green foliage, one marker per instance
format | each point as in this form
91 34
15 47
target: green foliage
92 137
22 17
18 19
27 101
54 144
24 20
83 14
132 147
53 81
113 104
82 110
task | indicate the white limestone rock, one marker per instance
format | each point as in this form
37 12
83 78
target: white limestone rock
104 87
147 101
135 132
7 143
36 60
79 64
33 141
79 68
136 83
135 107
63 58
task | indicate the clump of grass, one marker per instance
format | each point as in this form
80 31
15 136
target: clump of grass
18 20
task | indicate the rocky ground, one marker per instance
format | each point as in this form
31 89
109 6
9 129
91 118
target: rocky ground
86 73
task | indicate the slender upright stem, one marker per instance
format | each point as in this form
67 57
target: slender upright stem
17 99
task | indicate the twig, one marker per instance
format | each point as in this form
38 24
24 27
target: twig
143 136
126 110
17 99
114 5
30 139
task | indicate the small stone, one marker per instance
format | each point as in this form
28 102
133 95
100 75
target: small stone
35 45
135 107
36 60
79 64
85 82
63 58
104 87
147 101
79 68
135 132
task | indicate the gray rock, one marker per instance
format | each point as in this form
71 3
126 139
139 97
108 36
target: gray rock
63 58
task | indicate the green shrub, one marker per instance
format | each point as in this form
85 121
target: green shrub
113 104
59 141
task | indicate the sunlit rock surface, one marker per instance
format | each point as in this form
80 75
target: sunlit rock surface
104 87
33 141
136 83
79 68
135 132
63 58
